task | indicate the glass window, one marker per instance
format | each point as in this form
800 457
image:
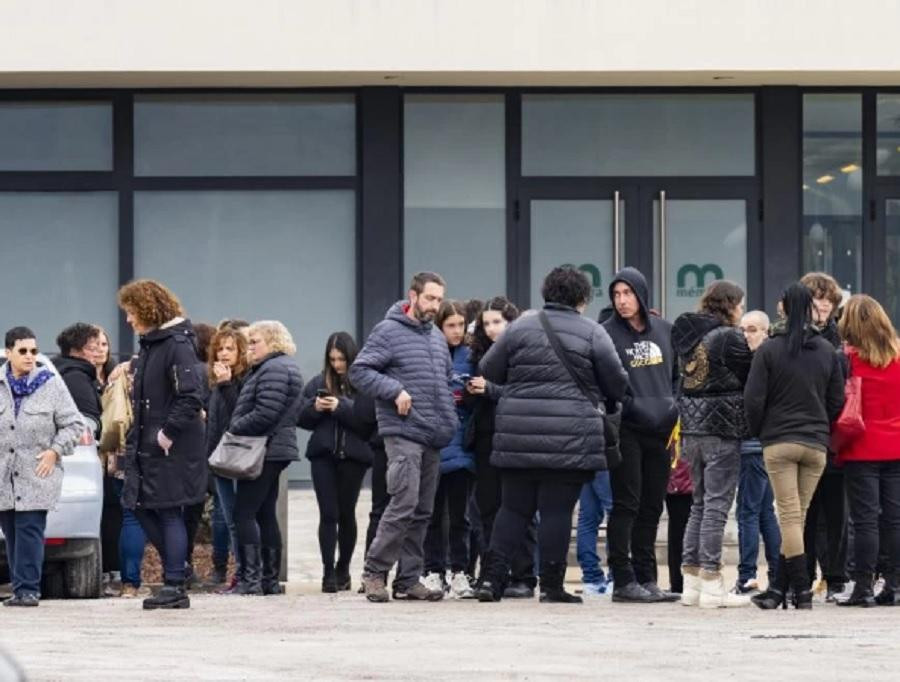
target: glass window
892 254
60 262
455 191
55 136
222 135
832 187
888 153
289 256
638 135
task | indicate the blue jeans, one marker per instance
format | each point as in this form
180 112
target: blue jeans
165 528
755 515
24 533
221 535
594 503
226 493
131 543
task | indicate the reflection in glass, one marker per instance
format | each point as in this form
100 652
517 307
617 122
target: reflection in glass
454 199
832 187
887 155
892 254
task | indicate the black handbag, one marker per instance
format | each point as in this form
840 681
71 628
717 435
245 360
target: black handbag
611 420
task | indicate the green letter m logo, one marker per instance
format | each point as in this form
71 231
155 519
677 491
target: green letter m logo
699 274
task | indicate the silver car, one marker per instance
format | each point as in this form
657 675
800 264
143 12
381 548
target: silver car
73 564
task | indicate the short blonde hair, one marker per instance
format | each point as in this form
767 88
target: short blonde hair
277 336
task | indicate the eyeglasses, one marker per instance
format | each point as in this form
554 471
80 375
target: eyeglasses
26 351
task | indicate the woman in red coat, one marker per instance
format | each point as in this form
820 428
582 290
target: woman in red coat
872 461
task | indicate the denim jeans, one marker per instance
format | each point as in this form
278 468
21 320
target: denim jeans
593 504
715 467
165 528
24 533
221 536
755 515
226 492
132 541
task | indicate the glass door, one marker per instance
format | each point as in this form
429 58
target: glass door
587 232
885 262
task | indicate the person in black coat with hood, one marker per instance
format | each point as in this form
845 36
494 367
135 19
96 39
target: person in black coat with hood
549 437
75 364
649 412
165 464
339 455
268 405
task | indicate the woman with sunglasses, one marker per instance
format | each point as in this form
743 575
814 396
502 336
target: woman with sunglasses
39 424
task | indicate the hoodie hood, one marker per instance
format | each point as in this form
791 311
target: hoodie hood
689 330
638 283
64 365
397 313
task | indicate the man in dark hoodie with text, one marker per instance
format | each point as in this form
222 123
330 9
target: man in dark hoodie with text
644 343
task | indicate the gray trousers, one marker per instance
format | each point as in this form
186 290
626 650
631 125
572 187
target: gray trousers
412 477
715 468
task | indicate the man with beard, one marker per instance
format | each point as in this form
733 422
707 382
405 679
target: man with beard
405 366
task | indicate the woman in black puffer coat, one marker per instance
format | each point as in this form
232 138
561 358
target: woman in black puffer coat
268 405
549 437
715 359
339 455
165 463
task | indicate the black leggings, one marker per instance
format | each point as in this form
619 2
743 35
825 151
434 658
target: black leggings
255 508
110 524
679 508
380 497
451 501
829 548
552 493
193 516
337 484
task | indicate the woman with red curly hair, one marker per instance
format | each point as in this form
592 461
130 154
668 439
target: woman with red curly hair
165 461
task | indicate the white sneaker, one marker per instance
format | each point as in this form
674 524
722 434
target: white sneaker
460 587
433 581
690 592
594 590
713 594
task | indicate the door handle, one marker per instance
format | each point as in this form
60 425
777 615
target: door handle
617 234
663 254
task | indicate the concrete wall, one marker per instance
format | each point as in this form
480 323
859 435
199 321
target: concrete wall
344 42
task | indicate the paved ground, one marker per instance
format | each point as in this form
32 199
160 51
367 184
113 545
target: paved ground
307 635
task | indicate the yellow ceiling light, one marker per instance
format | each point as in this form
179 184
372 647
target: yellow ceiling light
849 168
825 179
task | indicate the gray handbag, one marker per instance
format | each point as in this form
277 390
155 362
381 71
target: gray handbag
242 457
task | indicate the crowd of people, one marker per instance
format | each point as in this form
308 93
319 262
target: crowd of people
483 427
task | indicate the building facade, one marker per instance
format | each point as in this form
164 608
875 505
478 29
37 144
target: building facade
299 161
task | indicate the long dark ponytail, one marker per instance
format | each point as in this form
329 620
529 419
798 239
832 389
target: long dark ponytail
797 303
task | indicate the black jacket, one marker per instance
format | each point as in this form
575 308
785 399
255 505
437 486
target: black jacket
342 434
222 401
794 399
650 361
543 420
167 395
270 390
714 360
80 377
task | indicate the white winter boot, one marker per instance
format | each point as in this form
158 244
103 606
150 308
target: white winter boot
690 592
713 594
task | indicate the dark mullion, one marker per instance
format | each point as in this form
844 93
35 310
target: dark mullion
61 181
514 208
244 183
873 229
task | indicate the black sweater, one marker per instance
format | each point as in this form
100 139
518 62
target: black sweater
794 399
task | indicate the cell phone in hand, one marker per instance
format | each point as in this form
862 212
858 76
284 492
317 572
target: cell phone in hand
322 393
464 378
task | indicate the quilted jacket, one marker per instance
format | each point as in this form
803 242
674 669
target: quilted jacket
714 359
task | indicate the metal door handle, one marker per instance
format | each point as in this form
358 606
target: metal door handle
616 232
663 253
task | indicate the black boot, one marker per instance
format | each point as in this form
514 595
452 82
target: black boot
890 593
342 576
494 576
862 594
219 574
553 575
329 580
171 596
271 570
251 581
776 594
798 579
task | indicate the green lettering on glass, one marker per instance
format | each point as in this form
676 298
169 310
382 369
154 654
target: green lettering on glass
699 273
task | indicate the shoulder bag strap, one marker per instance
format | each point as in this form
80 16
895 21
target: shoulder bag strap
561 354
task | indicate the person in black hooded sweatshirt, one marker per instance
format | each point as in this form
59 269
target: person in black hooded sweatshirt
75 364
644 344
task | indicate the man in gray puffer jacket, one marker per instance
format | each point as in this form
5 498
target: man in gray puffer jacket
405 366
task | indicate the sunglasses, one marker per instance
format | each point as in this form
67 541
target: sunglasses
26 351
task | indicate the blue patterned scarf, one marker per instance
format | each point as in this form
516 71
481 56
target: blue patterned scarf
21 387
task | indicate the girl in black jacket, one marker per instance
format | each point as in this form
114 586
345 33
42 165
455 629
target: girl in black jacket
165 467
267 405
339 455
227 370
